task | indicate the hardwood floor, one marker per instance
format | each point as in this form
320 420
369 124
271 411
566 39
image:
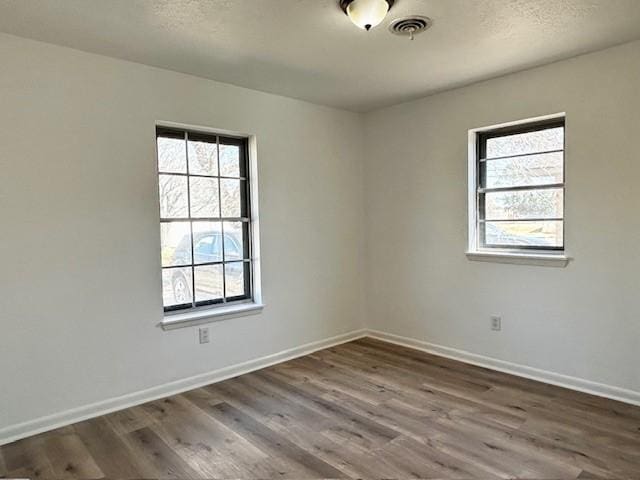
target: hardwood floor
365 409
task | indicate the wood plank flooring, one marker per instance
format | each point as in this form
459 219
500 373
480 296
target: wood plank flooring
365 409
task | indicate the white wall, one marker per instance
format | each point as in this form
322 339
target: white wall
583 320
80 291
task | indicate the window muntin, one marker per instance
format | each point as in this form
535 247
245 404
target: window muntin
204 219
520 187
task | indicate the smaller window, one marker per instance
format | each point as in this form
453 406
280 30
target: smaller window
519 187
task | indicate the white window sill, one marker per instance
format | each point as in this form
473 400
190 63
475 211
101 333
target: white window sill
539 259
208 315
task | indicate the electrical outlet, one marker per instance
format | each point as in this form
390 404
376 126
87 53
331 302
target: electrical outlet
496 323
203 335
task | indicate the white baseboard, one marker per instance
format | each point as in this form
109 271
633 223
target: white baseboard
573 383
32 427
26 429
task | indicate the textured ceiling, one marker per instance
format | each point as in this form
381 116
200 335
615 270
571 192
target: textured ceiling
309 49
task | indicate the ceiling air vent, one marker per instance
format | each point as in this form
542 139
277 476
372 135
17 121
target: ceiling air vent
410 26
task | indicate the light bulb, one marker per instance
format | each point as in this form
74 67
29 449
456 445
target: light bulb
367 13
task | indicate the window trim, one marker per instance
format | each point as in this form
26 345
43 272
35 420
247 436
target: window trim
533 255
214 311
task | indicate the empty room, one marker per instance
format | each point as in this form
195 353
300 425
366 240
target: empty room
320 239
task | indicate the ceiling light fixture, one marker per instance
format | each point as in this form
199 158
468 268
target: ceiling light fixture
366 13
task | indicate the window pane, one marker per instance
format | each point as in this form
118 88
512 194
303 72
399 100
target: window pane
205 201
172 156
524 233
175 240
235 274
209 284
207 247
176 286
235 241
230 192
203 157
531 142
520 171
229 160
193 201
173 196
521 204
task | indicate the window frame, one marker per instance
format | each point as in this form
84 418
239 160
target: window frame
182 312
477 164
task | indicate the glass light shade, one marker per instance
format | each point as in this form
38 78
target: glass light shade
367 13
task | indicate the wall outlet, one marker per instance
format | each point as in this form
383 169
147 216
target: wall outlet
203 335
496 323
